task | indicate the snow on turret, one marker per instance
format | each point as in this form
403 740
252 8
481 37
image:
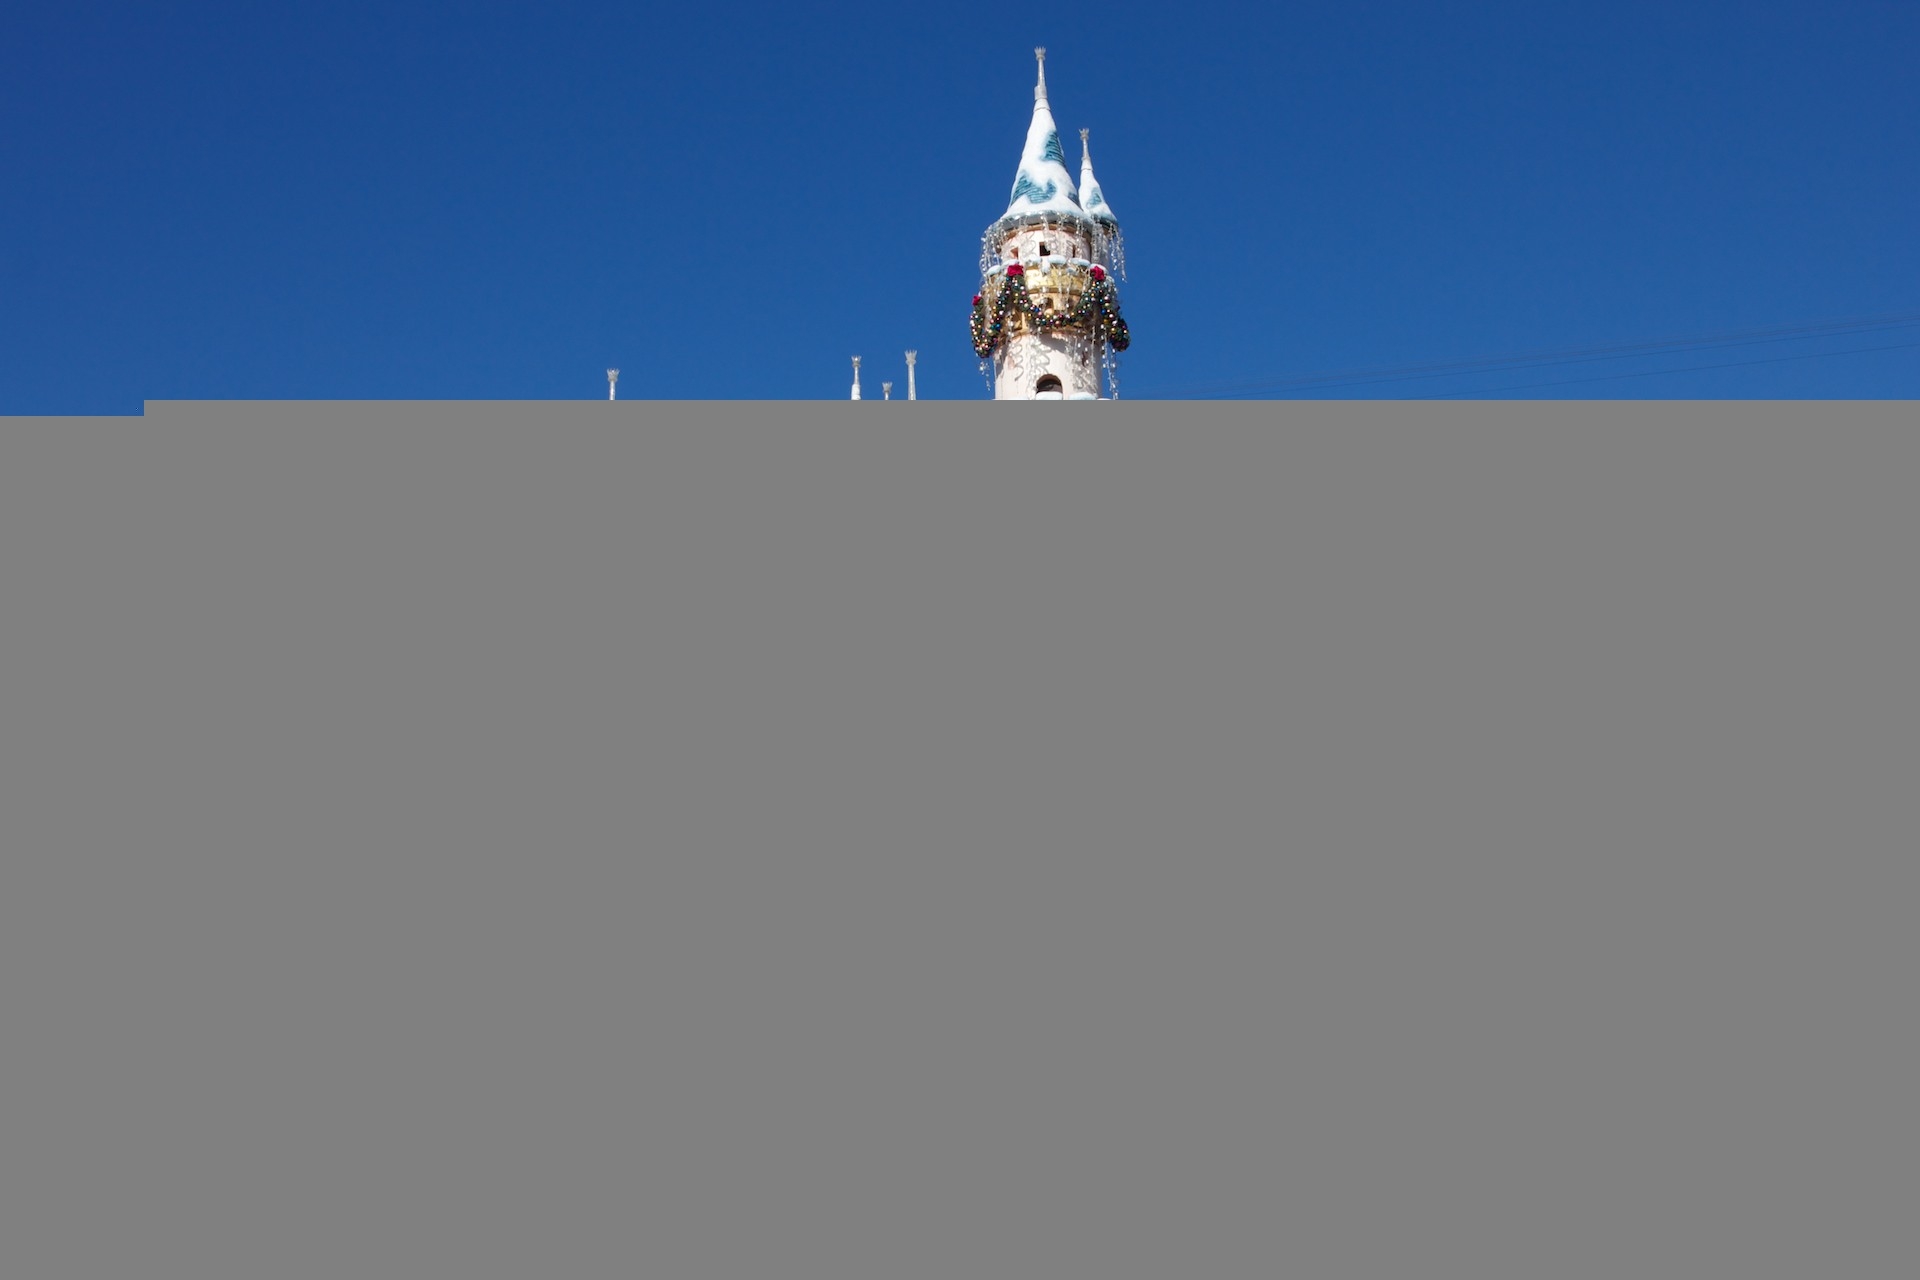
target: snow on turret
1042 187
1107 247
1091 197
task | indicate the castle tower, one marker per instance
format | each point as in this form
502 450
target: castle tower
1047 313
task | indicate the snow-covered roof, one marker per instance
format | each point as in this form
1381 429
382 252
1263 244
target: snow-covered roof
1091 198
1042 187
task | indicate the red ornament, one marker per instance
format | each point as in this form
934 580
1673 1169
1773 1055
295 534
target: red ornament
976 299
1099 273
1016 269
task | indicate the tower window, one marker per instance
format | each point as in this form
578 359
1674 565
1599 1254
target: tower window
1045 249
1047 384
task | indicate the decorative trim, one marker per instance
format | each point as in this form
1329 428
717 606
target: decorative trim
1097 309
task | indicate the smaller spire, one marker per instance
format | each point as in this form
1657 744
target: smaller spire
856 378
1092 199
1040 85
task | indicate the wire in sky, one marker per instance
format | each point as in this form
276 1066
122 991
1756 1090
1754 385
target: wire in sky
1543 359
1651 373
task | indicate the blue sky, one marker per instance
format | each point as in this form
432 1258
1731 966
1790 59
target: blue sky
497 201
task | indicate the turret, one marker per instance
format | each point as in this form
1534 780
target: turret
1047 313
1107 248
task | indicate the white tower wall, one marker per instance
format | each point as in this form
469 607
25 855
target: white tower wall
1051 258
1023 361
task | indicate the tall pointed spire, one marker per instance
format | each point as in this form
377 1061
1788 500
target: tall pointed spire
1042 186
1091 197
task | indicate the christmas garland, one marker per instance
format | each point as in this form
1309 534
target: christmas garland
1100 303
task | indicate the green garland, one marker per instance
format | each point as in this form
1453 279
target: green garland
1100 304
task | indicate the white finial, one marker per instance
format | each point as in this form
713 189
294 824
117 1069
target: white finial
1040 85
613 376
886 391
856 377
911 357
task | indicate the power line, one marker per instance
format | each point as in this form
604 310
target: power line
1652 373
1546 359
1492 364
1613 351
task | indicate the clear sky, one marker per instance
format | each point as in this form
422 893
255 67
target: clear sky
498 201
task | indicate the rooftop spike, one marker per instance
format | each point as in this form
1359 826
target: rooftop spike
1040 85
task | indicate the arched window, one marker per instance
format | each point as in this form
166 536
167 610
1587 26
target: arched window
1048 388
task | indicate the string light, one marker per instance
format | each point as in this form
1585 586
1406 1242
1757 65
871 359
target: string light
1098 306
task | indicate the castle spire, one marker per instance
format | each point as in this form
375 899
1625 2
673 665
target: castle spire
1042 187
1091 197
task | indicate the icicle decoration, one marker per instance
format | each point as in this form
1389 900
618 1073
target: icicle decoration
1110 248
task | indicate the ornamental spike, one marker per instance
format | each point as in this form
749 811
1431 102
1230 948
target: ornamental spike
1040 86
